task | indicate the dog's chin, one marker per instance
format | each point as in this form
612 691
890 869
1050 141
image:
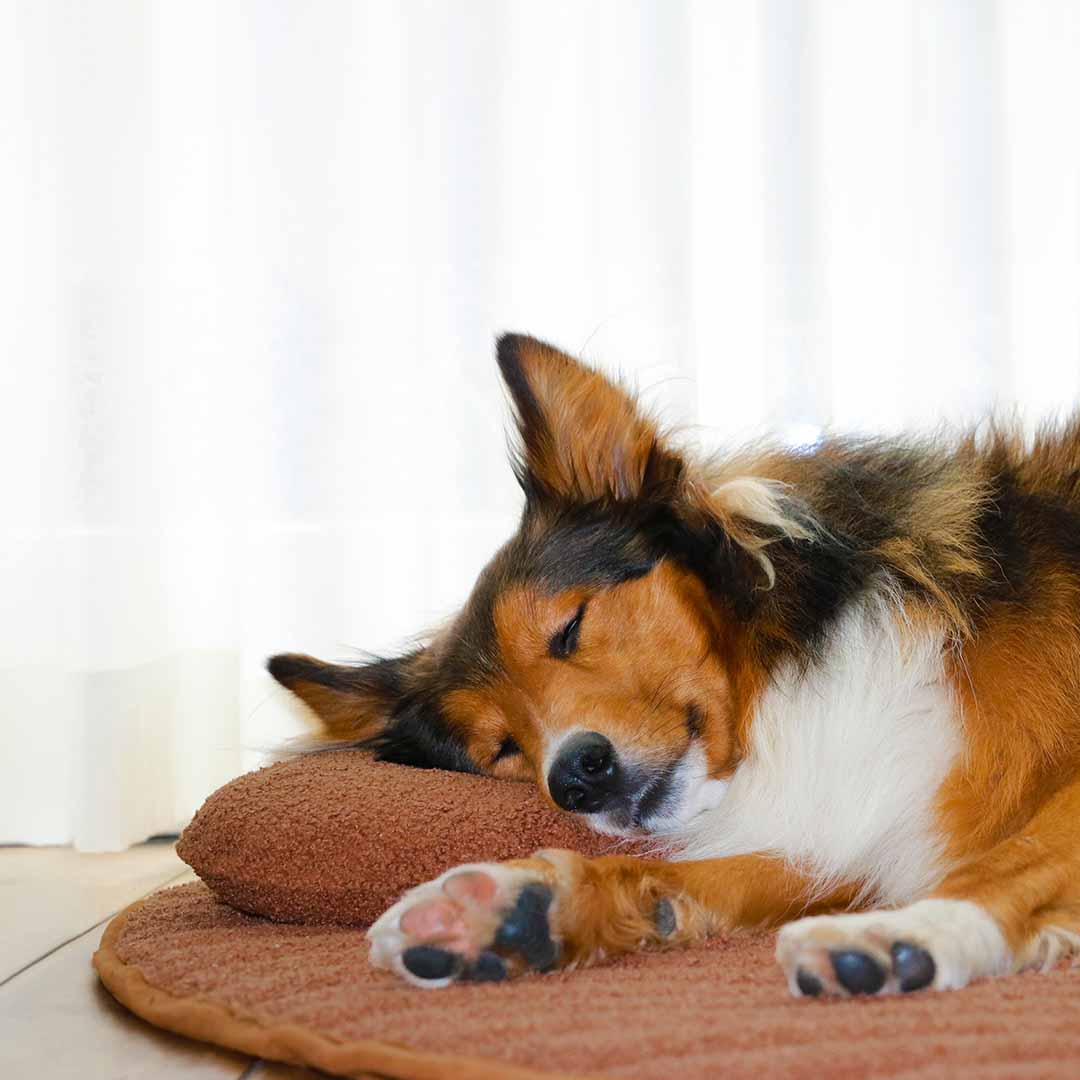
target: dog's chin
666 802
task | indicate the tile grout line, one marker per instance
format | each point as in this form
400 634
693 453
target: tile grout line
88 930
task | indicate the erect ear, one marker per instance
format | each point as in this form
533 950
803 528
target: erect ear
583 438
353 703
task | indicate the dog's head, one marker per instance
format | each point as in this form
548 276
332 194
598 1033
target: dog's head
602 651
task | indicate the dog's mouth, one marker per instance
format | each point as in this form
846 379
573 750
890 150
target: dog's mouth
665 801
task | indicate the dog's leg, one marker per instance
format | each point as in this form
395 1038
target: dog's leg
559 909
1016 906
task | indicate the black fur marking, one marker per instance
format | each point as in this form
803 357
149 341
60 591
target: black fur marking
705 549
532 425
814 583
600 545
864 494
571 547
590 545
694 721
1023 533
525 929
1009 553
809 984
415 732
417 735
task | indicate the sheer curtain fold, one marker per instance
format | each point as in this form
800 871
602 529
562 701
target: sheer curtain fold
255 256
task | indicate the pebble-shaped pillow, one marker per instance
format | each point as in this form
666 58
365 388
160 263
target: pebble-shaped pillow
337 837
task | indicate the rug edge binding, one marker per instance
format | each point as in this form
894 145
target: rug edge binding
291 1044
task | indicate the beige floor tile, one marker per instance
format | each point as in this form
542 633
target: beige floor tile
57 1022
50 895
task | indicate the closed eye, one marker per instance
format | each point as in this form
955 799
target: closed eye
507 748
565 641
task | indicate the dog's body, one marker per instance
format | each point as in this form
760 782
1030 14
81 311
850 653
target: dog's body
840 687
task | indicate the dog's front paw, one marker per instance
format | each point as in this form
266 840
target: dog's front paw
936 944
483 922
490 921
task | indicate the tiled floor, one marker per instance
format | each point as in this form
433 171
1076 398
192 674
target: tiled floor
55 1018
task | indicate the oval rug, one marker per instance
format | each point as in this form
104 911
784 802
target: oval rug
306 995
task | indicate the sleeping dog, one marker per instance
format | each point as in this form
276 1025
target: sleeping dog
838 688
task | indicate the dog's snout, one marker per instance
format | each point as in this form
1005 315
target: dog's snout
586 774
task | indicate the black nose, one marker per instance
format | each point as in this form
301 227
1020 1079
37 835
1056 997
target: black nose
585 774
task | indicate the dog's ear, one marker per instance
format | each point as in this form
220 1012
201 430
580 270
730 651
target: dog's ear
582 436
385 706
354 703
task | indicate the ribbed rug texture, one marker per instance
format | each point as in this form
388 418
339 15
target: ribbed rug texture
720 1010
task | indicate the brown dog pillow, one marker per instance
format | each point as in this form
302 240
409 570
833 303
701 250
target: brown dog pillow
337 837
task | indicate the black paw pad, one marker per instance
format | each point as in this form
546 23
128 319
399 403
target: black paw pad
428 962
857 972
525 928
914 967
487 967
664 918
809 985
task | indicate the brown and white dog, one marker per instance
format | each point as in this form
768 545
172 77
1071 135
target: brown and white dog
839 686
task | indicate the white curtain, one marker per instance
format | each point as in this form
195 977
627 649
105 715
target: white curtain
253 256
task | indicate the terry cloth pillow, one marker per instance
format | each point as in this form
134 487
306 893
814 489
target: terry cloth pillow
336 837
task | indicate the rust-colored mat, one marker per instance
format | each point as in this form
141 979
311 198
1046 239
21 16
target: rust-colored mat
304 994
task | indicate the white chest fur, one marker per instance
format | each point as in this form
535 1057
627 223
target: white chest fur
845 762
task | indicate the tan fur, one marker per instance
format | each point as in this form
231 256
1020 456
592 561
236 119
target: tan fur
622 682
339 717
607 906
613 442
1009 813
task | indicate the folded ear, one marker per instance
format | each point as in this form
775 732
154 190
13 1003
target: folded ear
353 703
384 706
583 437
